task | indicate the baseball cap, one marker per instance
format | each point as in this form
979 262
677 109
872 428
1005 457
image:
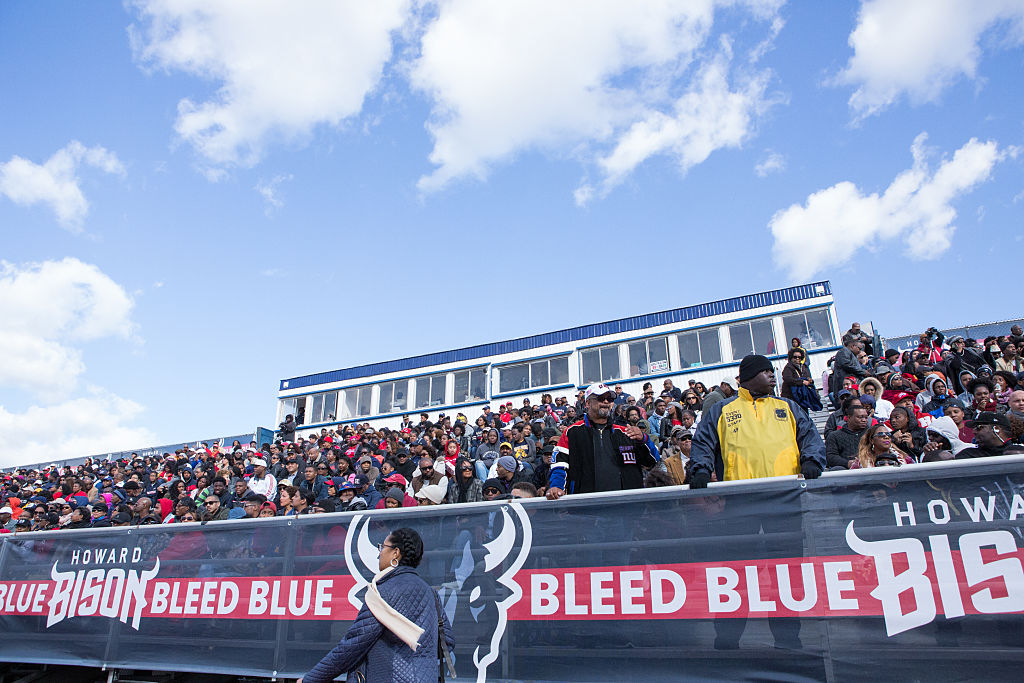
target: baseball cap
598 390
397 478
259 462
6 509
990 418
434 492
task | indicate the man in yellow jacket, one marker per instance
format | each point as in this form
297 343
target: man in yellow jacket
755 434
748 436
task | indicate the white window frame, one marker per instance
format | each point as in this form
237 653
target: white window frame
697 332
394 384
646 341
443 377
828 318
529 369
468 398
750 333
603 376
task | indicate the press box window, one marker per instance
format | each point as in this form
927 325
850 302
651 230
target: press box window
430 391
648 356
287 407
812 328
470 385
393 397
700 347
357 402
600 365
532 375
322 407
753 337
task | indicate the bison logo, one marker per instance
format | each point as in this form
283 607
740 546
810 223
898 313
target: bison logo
491 547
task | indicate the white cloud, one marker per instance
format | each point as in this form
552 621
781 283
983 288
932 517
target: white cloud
568 76
835 223
89 425
47 309
773 163
55 182
920 47
282 67
269 191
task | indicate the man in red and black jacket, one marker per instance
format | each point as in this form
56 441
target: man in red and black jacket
596 455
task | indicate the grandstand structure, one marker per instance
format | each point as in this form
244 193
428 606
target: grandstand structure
702 342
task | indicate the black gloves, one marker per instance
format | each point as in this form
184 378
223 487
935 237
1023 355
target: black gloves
810 469
700 478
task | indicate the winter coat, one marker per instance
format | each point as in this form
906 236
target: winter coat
793 375
474 492
386 657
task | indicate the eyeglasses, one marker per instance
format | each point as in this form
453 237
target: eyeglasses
211 502
489 491
381 546
66 507
190 518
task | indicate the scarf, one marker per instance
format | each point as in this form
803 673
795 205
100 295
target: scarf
390 618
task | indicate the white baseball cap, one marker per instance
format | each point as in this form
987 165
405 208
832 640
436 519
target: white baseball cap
6 509
259 462
598 390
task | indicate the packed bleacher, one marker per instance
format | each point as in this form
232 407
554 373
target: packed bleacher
951 398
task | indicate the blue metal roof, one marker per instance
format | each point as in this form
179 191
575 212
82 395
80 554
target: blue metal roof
640 322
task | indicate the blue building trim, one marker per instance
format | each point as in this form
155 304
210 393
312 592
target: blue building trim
574 334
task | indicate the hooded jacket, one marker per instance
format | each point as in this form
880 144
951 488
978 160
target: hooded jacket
487 452
945 427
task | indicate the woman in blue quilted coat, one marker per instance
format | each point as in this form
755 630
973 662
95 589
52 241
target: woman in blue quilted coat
394 637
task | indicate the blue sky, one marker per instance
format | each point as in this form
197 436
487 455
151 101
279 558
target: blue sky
198 199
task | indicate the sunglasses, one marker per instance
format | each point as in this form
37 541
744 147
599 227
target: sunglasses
211 502
489 491
190 518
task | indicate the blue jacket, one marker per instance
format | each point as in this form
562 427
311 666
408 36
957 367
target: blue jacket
387 657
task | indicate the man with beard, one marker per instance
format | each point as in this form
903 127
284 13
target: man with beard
595 455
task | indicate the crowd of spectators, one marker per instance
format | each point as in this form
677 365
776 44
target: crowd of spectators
949 398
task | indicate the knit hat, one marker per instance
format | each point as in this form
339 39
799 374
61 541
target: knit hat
508 462
753 364
396 493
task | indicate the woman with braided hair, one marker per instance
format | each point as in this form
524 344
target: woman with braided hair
395 635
